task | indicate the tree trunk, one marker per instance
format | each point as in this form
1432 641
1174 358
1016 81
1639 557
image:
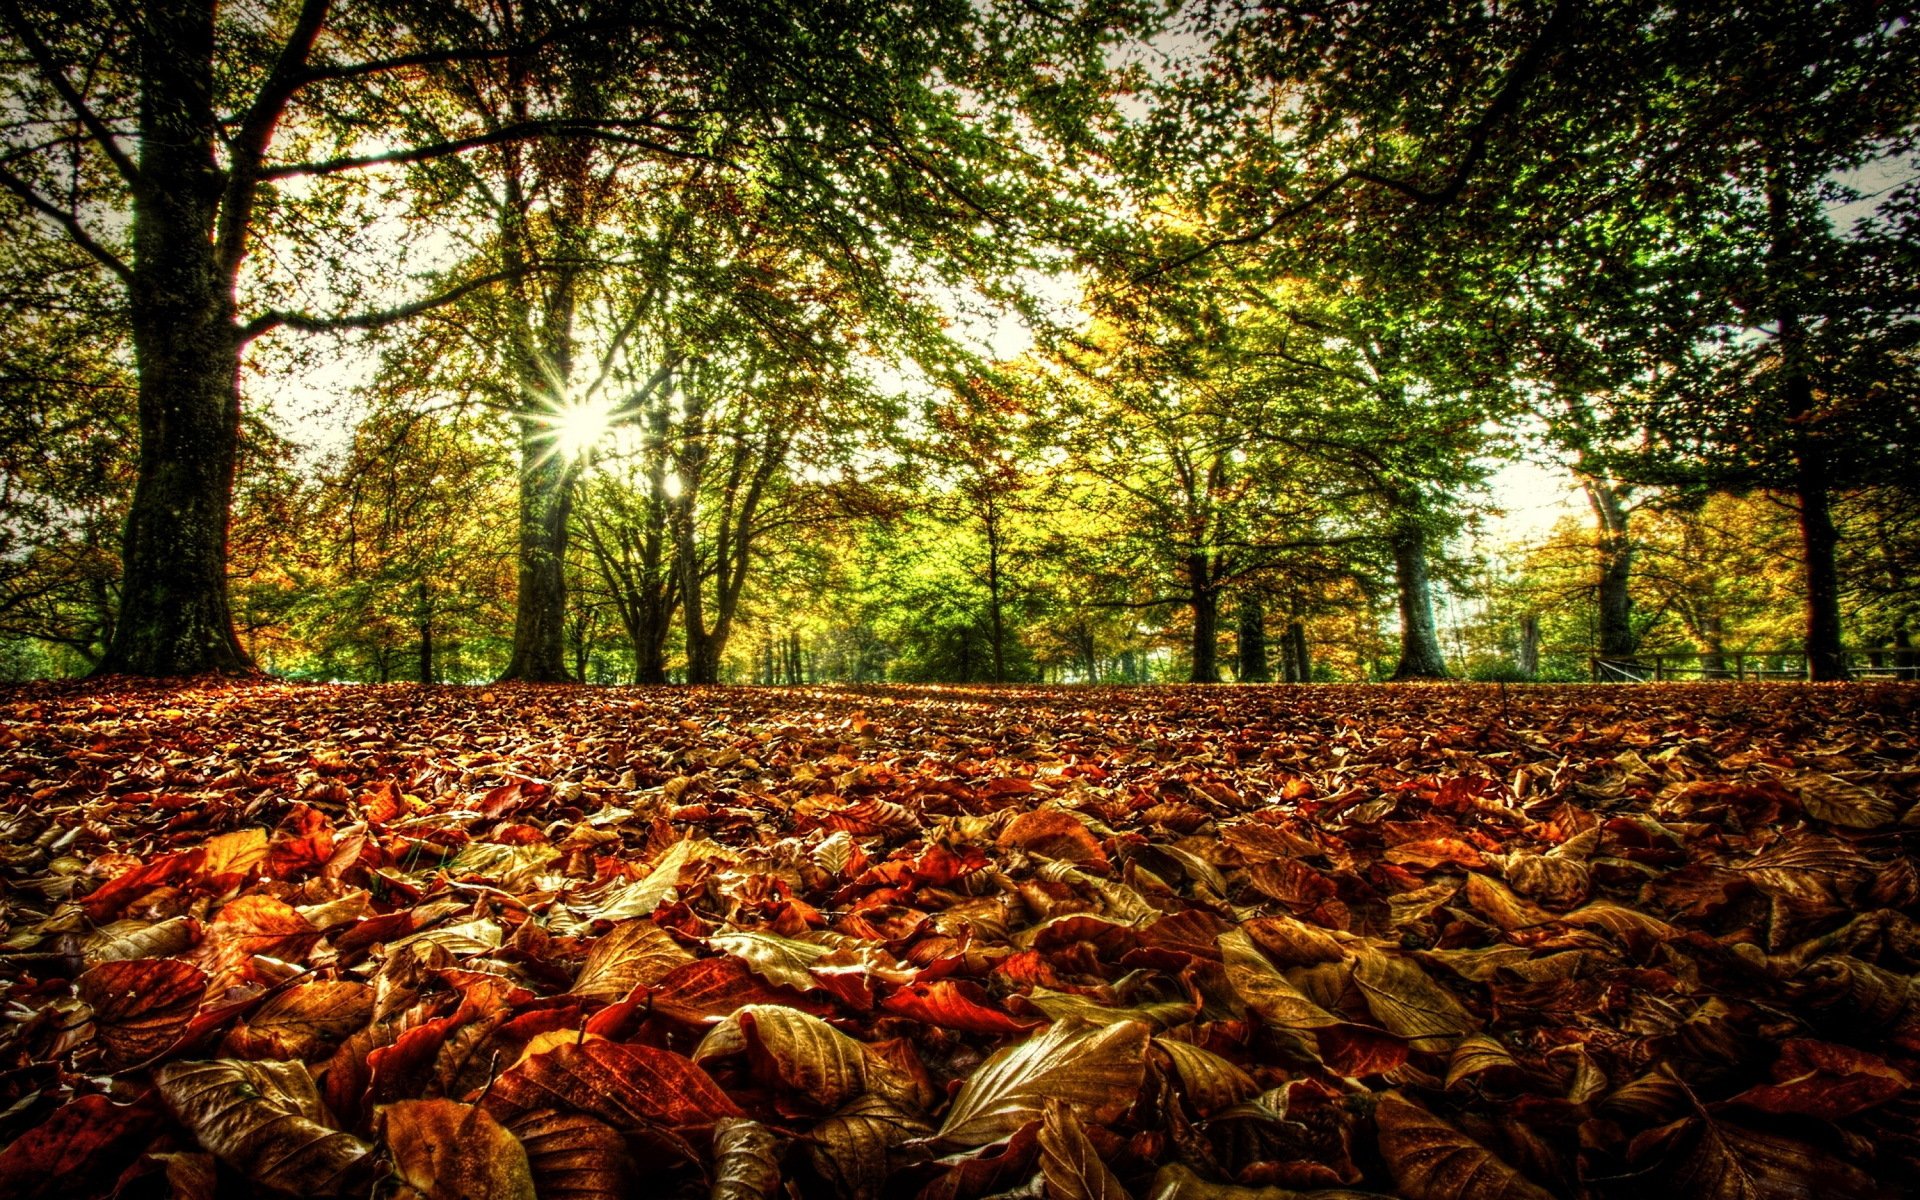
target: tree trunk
174 615
1302 660
1529 663
1206 620
1613 553
1420 656
1812 468
1252 667
1713 657
423 617
540 607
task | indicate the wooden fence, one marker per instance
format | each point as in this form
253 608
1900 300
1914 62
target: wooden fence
1885 662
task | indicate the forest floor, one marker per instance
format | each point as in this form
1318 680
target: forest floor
1184 942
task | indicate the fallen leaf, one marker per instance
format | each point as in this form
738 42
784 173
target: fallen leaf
141 1007
1096 1070
265 1120
1431 1160
450 1151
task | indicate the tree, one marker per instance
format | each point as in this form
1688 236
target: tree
207 97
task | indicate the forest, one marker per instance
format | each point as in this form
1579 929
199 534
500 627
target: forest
553 555
532 340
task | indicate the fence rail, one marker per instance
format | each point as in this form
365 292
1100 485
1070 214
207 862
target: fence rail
1884 662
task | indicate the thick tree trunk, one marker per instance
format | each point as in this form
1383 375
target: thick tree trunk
1812 466
1819 536
1529 663
174 617
1252 666
1713 655
1302 659
1206 620
540 607
1420 656
1613 554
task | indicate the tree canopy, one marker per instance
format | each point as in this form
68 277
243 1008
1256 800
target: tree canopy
1097 341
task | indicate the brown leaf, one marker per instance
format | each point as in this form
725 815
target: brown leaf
574 1156
1177 1182
1700 1156
265 1120
450 1151
746 1160
1069 1164
1820 1079
631 954
953 1004
1431 1160
813 1065
304 1021
1208 1081
708 989
1095 1069
1407 1002
140 939
1265 990
625 1086
1837 802
1056 834
141 1007
849 1150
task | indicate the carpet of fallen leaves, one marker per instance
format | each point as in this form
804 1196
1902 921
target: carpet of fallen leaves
1180 943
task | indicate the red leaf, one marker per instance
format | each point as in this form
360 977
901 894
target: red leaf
628 1087
83 1145
953 1004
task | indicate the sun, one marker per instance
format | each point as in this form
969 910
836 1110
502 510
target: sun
577 427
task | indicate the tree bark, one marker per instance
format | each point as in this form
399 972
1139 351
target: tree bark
1812 466
1302 659
1420 656
1252 667
1206 619
423 618
174 614
1613 552
540 606
1529 663
996 616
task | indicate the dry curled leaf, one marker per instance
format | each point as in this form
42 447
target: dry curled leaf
746 1160
444 1150
1096 1070
265 1120
141 1007
1069 1164
632 954
1431 1160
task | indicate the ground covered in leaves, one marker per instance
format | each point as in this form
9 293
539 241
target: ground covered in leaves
1181 943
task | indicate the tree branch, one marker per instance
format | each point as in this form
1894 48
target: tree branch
76 232
555 127
1504 103
249 144
379 319
57 76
